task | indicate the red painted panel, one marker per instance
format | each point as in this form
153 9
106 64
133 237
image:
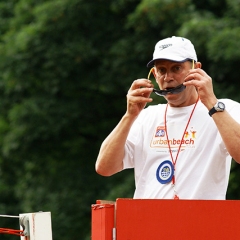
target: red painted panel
177 219
102 221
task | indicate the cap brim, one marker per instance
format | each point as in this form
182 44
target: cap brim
151 63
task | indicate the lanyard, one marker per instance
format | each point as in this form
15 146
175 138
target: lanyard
169 147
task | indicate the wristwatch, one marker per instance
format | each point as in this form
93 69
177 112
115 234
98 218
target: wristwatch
218 107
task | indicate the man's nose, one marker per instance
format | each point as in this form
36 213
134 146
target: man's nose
168 76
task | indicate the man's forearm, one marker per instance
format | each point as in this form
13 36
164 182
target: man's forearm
111 154
230 132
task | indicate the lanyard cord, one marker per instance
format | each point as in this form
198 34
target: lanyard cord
169 147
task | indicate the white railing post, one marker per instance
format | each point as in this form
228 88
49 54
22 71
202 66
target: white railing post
36 226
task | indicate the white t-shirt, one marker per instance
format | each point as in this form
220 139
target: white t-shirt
203 165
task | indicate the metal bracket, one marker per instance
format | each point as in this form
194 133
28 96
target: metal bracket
24 223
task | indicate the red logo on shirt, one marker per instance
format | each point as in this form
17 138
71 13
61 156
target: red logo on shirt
160 132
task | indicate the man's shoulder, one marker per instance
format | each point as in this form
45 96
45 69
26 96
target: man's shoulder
229 102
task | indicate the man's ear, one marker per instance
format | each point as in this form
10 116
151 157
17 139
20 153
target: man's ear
198 65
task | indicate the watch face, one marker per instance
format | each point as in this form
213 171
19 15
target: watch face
221 105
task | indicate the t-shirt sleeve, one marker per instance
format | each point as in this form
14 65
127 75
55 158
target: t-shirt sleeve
233 108
134 138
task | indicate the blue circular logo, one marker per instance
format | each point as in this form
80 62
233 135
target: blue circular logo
165 172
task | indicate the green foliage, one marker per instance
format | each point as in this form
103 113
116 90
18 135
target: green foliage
66 66
158 12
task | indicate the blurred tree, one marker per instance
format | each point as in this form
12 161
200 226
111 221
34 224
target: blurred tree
66 66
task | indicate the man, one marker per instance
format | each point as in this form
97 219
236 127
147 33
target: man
181 149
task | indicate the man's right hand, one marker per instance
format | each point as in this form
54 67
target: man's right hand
138 96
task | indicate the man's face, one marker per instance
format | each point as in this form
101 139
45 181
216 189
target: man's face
171 74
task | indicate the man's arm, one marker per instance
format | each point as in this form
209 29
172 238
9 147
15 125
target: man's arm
230 133
111 154
227 126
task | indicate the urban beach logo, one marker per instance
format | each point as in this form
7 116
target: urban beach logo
159 139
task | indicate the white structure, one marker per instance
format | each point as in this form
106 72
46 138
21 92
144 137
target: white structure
36 226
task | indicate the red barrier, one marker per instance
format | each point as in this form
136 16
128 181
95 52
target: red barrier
146 219
102 221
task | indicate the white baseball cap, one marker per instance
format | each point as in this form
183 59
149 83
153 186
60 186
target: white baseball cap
177 49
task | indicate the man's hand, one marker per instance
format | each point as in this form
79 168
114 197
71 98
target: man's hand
203 83
138 96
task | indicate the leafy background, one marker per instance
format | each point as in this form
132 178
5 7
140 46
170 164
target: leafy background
65 68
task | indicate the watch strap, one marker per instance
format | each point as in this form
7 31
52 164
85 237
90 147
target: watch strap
218 107
212 111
